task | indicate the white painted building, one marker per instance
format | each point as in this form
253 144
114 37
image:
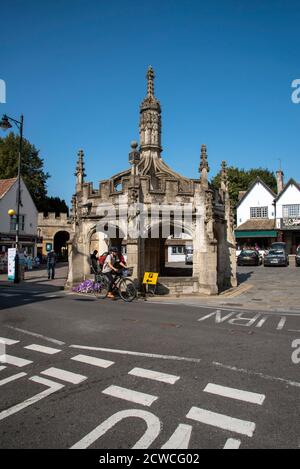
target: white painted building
256 203
264 217
288 215
28 217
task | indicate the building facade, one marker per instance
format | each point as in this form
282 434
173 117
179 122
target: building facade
146 204
264 217
28 217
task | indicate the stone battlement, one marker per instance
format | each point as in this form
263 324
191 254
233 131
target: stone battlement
52 217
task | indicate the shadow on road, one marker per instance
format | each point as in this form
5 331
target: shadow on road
243 276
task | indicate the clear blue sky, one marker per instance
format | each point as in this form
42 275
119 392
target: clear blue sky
76 69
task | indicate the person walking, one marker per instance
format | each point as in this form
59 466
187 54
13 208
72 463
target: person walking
51 261
94 262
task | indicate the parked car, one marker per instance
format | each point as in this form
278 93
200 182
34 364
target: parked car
189 255
297 258
249 257
279 245
276 257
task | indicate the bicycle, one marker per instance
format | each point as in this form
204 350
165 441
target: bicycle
124 286
100 286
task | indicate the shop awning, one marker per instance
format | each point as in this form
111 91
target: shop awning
255 234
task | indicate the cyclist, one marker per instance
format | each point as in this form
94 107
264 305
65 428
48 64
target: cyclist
108 269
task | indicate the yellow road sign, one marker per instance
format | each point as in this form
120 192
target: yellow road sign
150 278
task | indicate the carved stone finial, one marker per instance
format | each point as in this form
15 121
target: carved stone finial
224 175
203 168
150 85
80 174
134 155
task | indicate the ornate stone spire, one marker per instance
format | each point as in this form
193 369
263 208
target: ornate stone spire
224 177
80 174
150 119
203 168
150 77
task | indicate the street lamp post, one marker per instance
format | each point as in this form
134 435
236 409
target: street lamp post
5 125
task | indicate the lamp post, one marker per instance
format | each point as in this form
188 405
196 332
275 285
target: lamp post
5 124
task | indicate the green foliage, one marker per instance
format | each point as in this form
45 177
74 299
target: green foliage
241 179
31 165
53 204
32 172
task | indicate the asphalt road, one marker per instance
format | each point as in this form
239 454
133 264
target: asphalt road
118 375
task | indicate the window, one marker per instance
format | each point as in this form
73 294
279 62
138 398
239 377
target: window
177 250
258 212
13 222
291 211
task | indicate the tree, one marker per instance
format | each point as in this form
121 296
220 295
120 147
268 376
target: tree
32 172
31 165
53 204
240 180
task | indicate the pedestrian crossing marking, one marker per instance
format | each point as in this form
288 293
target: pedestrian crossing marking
42 349
52 387
12 378
11 360
221 421
130 395
93 361
64 375
155 375
4 340
232 443
233 393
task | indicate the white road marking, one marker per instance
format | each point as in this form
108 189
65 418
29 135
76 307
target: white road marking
12 378
155 375
130 395
256 373
233 393
151 433
34 334
138 354
232 443
93 361
4 340
281 323
64 375
180 438
221 421
43 349
53 387
261 321
2 368
11 360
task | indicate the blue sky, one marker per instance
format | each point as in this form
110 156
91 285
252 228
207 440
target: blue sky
76 70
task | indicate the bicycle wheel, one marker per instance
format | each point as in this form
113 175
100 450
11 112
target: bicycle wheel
127 289
101 287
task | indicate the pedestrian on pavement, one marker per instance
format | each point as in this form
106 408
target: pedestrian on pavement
51 261
94 261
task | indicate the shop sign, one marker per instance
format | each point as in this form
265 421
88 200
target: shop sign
291 223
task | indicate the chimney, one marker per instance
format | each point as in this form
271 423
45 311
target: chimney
279 177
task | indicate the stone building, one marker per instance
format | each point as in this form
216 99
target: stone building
139 208
54 230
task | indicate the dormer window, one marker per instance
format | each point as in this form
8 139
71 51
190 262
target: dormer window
258 212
